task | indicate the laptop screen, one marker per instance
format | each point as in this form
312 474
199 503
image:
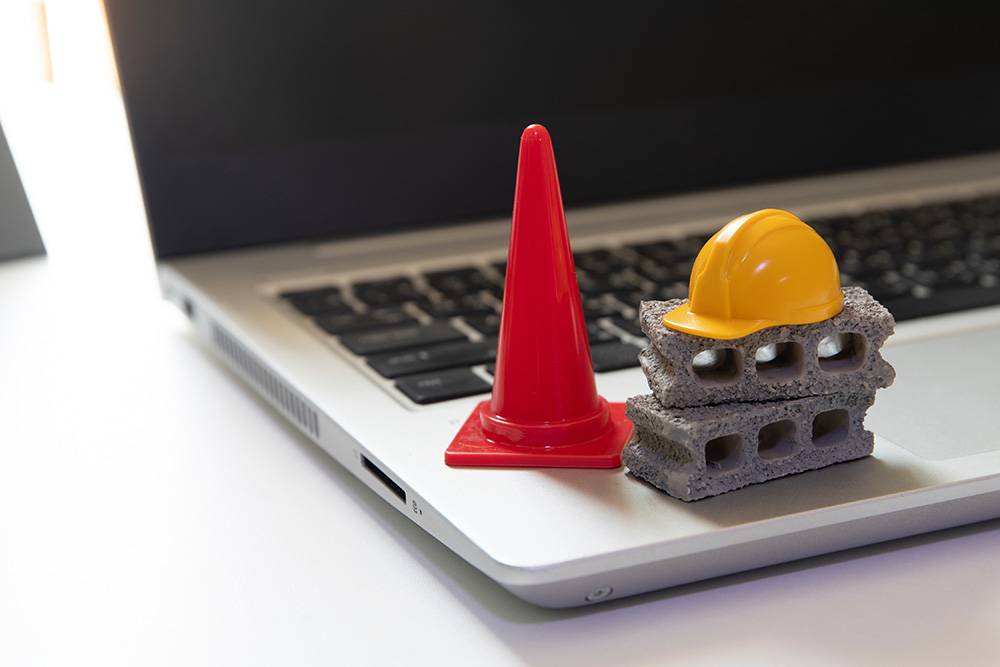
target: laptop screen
284 120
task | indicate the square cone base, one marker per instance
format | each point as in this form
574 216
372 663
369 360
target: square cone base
470 448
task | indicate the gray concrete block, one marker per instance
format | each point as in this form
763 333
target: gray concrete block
696 452
796 371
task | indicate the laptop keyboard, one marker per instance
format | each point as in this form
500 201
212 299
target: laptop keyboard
427 335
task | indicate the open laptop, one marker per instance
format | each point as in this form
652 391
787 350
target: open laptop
329 187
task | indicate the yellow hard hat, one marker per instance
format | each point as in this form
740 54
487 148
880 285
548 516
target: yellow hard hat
763 269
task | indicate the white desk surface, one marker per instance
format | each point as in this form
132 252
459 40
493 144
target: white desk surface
154 512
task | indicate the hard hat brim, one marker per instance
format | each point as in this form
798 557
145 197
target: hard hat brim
682 319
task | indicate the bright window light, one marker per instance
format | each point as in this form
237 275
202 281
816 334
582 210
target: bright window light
62 113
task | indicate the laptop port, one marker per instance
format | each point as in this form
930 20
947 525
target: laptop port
396 489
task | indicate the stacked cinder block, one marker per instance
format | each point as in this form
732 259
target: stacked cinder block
727 413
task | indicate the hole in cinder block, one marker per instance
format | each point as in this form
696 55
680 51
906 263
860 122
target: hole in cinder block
779 362
776 440
831 427
723 453
841 352
719 366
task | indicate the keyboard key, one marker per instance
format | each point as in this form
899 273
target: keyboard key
657 272
442 385
593 285
385 292
488 325
632 299
601 262
630 326
690 246
675 290
597 334
605 357
682 269
597 307
496 291
663 253
462 305
958 274
942 301
610 284
458 281
375 319
627 280
614 356
447 355
880 260
323 301
397 338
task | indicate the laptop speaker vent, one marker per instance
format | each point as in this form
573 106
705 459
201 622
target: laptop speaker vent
281 395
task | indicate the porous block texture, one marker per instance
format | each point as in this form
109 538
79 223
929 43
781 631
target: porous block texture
693 453
797 371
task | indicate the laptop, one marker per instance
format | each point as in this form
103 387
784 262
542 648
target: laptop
329 186
19 235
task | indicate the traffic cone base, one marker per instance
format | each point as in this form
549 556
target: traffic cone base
474 447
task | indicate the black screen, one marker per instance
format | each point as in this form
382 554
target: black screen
258 121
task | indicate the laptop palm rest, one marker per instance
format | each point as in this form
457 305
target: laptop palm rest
943 404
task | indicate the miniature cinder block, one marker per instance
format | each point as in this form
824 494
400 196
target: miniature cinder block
798 371
696 452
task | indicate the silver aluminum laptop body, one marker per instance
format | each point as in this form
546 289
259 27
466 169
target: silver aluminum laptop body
272 126
562 538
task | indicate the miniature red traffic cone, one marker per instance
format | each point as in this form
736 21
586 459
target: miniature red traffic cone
545 411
